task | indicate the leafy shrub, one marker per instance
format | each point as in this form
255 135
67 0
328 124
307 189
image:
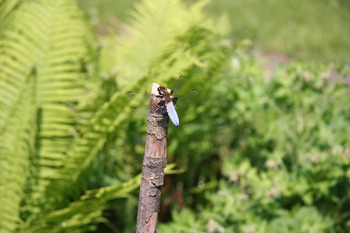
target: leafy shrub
283 153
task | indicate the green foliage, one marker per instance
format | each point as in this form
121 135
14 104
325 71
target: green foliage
300 29
41 77
255 154
109 9
60 128
283 151
6 9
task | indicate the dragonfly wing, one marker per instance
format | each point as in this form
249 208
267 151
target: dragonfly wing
173 114
186 98
138 97
141 100
140 111
178 85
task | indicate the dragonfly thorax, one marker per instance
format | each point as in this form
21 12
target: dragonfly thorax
165 94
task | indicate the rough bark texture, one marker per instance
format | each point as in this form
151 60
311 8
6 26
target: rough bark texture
154 162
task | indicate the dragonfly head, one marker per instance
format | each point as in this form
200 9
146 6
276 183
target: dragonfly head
162 90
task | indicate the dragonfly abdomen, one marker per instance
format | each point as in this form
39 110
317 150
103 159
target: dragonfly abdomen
172 113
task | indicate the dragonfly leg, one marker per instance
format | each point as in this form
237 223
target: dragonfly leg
174 100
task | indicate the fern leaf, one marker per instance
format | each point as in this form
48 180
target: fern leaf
17 141
43 40
153 30
6 9
84 213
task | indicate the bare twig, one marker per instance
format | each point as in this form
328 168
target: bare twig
154 162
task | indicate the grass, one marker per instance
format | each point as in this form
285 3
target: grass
301 29
308 30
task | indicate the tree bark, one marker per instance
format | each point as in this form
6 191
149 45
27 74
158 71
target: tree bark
154 162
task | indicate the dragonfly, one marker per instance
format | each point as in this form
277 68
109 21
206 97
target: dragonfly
169 100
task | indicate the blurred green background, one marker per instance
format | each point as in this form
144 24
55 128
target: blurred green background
264 147
307 30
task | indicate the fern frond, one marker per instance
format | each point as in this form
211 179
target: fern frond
153 30
43 40
6 9
81 215
17 141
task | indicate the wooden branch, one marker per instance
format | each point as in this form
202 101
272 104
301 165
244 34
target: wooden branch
154 162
